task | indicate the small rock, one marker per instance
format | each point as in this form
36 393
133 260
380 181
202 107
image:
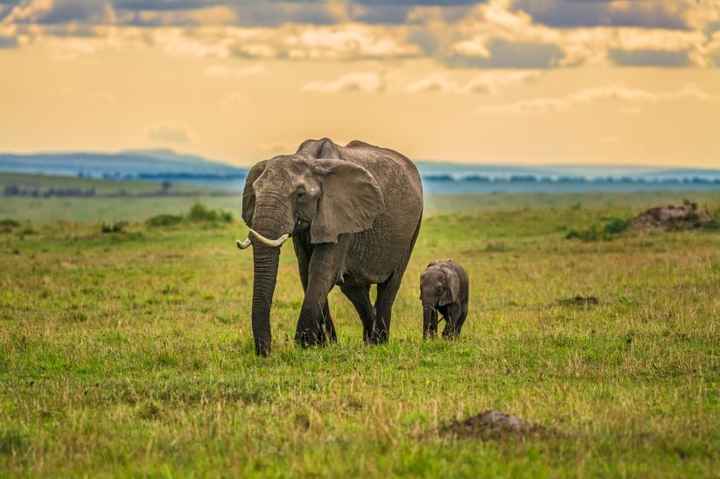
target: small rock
491 425
580 301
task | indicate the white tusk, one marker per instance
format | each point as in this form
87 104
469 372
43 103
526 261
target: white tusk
243 244
273 243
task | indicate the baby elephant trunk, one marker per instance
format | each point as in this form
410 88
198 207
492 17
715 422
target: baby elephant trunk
429 321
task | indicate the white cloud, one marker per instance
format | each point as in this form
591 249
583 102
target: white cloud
226 72
368 82
169 134
348 42
630 100
486 83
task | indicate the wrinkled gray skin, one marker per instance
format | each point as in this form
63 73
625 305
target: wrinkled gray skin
444 288
353 212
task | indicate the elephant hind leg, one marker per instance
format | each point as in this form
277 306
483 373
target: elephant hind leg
387 292
453 322
461 321
359 296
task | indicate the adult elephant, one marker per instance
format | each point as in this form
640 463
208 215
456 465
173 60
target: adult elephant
353 213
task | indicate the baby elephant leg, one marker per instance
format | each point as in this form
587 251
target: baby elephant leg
452 320
461 321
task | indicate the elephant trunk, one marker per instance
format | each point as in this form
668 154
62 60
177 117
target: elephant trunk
265 261
429 320
265 265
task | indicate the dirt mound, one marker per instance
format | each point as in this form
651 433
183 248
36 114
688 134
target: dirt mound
492 425
578 300
673 217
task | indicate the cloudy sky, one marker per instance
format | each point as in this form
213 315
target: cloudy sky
497 81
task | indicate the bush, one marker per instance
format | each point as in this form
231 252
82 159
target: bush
199 213
616 226
713 225
591 234
164 220
9 224
117 227
613 228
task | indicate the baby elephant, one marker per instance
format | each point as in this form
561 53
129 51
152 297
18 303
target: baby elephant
444 288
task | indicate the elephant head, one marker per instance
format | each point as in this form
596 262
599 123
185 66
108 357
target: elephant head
439 285
311 190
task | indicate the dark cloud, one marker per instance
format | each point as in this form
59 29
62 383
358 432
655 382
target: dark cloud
396 13
8 42
649 58
425 40
591 13
715 59
64 11
383 14
76 11
505 54
426 3
279 13
164 5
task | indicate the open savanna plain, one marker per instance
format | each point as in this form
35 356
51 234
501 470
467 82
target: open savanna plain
129 353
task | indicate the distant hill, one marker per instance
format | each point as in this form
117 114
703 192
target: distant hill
438 177
132 164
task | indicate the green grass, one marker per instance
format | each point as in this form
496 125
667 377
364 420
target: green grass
130 354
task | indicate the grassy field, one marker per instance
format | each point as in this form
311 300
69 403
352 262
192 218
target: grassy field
130 354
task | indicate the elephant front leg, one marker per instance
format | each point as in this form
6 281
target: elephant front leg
310 327
303 251
322 273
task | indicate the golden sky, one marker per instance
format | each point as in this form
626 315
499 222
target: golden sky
501 81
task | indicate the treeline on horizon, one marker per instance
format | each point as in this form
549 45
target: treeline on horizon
74 192
692 180
443 177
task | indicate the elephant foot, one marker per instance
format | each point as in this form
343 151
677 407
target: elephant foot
308 337
450 335
262 346
377 337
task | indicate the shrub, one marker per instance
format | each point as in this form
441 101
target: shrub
616 226
591 234
9 223
164 220
117 227
199 213
713 225
613 228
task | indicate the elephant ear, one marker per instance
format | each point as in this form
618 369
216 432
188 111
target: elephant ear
351 200
452 292
248 199
323 148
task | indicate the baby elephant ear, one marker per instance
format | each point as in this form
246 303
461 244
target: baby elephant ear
248 199
351 200
453 286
